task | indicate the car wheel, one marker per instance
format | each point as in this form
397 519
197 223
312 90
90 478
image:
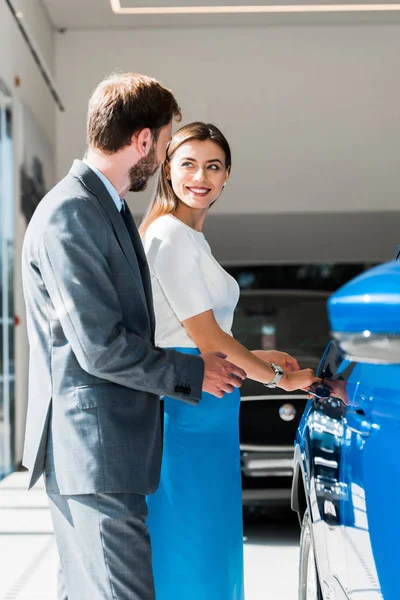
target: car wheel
309 586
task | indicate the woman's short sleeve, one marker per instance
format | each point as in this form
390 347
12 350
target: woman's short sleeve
175 262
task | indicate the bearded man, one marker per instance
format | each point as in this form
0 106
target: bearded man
96 377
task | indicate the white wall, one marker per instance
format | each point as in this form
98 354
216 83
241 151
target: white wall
16 60
312 113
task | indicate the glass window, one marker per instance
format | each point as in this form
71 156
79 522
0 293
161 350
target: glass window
6 288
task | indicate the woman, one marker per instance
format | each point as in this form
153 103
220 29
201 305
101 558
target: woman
195 517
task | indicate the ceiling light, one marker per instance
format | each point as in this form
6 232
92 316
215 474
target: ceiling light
195 10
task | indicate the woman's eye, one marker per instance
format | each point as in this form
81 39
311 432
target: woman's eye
214 167
187 164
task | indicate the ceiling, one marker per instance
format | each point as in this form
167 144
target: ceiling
97 14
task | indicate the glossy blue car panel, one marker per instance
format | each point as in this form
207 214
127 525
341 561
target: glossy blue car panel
371 472
347 449
373 298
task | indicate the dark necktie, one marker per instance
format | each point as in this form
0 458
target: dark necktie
133 233
125 216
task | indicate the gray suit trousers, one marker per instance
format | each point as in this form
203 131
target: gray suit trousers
104 546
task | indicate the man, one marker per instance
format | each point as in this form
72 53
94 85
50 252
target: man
93 424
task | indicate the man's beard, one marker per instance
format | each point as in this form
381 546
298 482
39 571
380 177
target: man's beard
143 170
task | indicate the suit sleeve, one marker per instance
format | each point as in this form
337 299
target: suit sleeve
78 279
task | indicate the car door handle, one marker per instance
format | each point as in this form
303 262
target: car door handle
358 422
319 392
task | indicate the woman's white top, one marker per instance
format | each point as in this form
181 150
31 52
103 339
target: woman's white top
186 281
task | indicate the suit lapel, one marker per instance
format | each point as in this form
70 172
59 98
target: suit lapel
131 245
144 267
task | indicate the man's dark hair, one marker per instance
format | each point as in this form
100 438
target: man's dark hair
124 104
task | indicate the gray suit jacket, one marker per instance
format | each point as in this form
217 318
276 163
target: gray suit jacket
95 376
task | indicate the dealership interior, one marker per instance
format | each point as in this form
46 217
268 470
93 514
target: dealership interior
307 94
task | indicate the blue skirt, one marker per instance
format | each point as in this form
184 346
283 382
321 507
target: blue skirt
195 516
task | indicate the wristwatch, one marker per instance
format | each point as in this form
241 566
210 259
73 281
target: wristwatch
278 376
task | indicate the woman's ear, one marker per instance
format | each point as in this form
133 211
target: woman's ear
227 173
167 169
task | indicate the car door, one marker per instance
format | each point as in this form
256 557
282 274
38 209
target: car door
365 321
371 472
354 428
341 483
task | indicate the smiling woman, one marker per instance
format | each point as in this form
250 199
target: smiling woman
193 175
195 517
200 475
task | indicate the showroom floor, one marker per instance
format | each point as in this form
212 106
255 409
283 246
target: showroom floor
28 557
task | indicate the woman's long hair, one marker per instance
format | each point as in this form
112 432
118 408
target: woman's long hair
165 200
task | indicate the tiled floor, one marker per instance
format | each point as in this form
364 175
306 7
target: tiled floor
28 557
27 551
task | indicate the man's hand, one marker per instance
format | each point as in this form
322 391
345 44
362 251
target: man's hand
283 359
220 375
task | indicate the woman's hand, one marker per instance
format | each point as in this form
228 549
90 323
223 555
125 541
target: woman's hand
293 378
283 359
298 380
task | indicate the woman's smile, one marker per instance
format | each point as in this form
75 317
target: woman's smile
201 192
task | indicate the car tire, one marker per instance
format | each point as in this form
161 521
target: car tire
309 585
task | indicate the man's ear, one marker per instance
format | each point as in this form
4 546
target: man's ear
143 140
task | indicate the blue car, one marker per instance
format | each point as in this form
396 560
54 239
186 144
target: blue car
346 484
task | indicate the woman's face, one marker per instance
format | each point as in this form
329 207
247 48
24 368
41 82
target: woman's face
198 173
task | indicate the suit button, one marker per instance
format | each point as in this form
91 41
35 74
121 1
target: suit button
178 389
